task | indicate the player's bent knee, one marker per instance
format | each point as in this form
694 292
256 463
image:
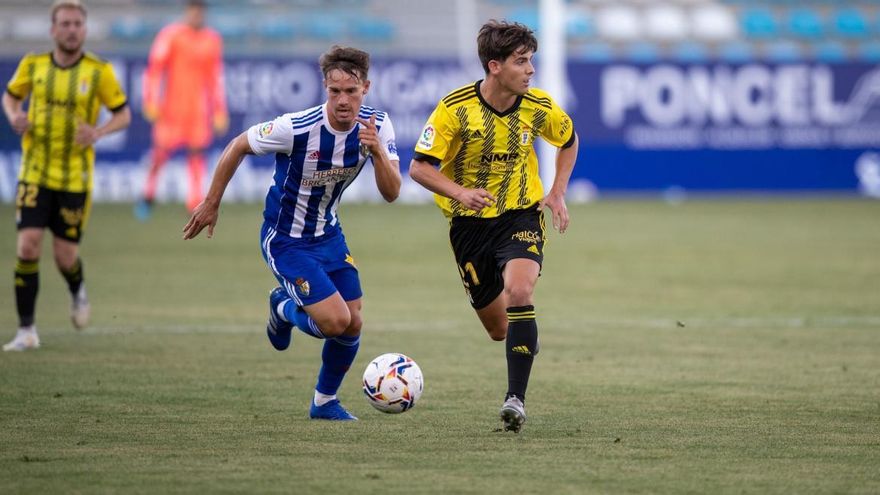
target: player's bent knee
354 326
28 247
335 325
65 261
28 251
519 295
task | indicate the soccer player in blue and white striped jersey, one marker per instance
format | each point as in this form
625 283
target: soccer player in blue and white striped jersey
318 153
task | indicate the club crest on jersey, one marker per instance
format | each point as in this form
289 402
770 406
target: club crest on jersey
427 138
266 129
313 156
302 285
524 136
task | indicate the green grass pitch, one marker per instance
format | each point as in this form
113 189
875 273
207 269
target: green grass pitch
728 346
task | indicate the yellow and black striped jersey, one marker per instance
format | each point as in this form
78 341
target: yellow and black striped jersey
60 99
479 147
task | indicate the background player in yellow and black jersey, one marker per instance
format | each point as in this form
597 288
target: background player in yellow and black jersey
482 138
65 89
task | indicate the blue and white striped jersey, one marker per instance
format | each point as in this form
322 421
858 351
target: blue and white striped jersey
314 163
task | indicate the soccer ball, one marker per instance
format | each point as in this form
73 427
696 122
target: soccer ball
393 383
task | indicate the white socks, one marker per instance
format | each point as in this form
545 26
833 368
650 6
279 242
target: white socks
321 399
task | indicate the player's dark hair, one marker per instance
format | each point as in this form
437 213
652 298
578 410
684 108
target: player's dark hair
347 59
66 4
500 39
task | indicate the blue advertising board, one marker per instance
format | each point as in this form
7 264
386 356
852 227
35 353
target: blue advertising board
642 128
754 127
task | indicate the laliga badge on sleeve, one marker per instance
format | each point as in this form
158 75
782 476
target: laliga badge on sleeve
266 129
427 138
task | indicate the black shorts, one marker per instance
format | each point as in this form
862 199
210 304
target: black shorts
65 213
482 246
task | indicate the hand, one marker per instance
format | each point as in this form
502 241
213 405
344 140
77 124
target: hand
20 123
475 199
205 215
221 124
369 134
556 203
86 135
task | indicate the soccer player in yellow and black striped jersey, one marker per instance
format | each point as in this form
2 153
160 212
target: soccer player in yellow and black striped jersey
481 136
66 88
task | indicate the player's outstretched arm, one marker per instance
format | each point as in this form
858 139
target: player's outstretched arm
555 199
206 213
431 179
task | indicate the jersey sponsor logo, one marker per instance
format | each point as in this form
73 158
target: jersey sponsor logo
61 103
350 259
392 147
266 129
521 349
487 158
313 156
427 139
331 176
530 236
534 249
302 285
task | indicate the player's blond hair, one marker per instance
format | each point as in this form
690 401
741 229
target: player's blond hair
67 4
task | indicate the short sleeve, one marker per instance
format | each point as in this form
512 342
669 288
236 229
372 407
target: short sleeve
559 130
386 137
20 85
109 91
437 135
274 136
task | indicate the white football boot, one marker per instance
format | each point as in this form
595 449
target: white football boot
80 309
513 414
25 338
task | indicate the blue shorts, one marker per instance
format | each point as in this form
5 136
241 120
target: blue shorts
311 269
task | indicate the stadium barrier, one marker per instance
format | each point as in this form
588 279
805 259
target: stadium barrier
644 128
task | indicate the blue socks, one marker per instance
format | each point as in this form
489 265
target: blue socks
302 320
337 356
338 353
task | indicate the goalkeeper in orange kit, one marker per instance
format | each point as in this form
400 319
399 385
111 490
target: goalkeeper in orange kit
185 100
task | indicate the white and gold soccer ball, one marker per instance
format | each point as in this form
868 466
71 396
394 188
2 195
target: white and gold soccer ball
393 383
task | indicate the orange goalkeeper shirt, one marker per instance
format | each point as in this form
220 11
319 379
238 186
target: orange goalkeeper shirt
183 84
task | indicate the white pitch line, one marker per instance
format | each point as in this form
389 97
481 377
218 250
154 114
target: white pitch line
842 321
